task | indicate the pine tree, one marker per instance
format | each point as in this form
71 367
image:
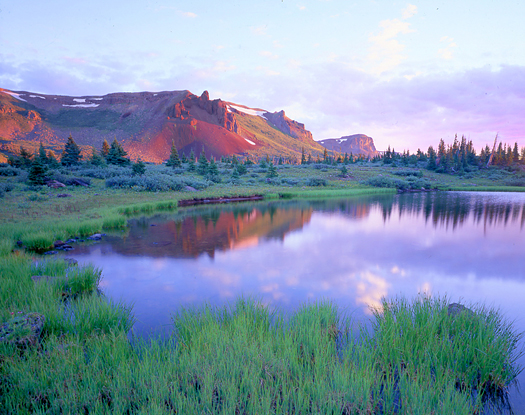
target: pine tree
96 159
138 168
71 154
105 149
116 154
235 174
272 171
344 170
515 153
183 158
37 173
303 156
42 154
213 171
174 160
242 169
202 167
25 157
52 160
431 165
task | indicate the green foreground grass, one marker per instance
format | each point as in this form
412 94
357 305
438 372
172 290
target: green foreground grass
240 359
244 359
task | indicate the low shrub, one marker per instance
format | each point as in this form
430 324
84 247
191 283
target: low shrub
289 181
315 181
155 183
6 187
9 171
406 173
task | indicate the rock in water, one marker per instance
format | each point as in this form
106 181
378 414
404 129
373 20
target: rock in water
456 309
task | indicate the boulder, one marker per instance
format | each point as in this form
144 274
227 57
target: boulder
54 184
72 262
95 237
64 195
78 182
23 330
58 243
190 189
455 309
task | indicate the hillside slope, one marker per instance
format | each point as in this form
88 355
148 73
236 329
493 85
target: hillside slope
147 124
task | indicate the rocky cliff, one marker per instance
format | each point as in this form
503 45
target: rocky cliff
355 144
288 126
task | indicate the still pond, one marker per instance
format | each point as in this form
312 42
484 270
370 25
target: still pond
468 246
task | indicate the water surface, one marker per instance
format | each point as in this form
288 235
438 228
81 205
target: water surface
468 246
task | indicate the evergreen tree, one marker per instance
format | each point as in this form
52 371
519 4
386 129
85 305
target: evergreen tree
431 165
184 159
262 163
248 161
105 149
37 172
191 164
42 155
96 159
515 154
71 154
213 171
174 160
280 161
522 160
138 168
52 160
241 168
309 161
25 157
344 171
235 174
234 161
442 150
272 171
303 156
325 156
202 167
116 154
192 155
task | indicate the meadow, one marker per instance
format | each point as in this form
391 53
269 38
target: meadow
242 358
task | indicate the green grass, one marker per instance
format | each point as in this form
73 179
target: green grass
242 358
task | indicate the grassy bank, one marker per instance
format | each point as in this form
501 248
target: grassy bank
244 359
37 215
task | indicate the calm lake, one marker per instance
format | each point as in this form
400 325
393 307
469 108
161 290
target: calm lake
468 246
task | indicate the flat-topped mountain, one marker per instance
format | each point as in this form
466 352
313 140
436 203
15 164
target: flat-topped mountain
147 124
355 144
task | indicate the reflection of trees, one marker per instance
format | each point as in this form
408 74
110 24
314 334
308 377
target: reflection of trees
454 209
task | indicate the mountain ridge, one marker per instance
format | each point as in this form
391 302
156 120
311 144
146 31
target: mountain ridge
147 124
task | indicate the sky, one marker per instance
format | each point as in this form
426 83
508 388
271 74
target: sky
405 73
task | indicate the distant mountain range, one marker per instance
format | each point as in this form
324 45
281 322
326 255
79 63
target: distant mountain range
352 144
147 124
